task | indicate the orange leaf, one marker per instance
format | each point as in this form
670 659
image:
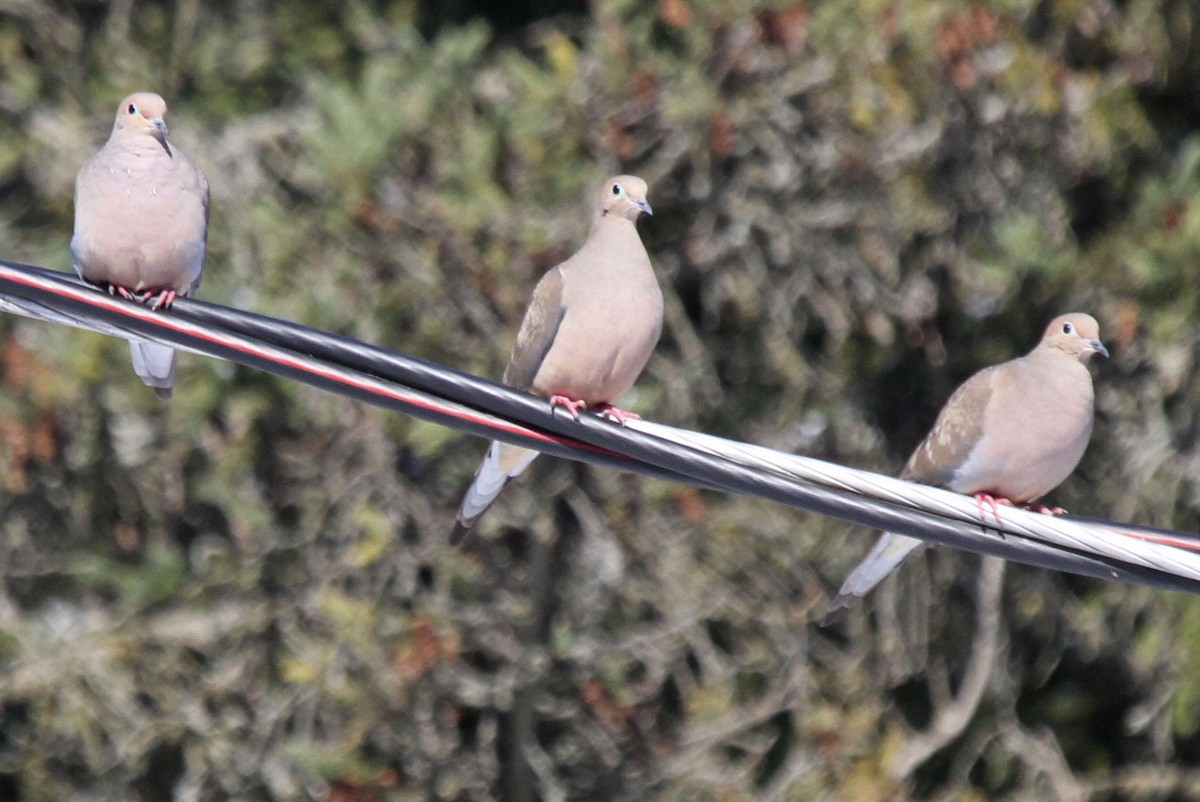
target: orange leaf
676 13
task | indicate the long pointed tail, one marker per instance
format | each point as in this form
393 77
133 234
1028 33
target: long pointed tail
889 551
154 363
502 463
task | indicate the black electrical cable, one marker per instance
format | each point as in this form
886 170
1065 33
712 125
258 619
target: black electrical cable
392 380
85 303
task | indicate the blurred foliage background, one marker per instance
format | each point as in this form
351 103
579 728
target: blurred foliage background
245 594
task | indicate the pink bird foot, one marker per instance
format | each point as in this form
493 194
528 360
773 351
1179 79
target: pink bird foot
994 502
618 415
166 297
124 292
1043 509
573 405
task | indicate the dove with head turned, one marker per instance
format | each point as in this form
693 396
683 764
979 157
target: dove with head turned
588 332
1010 434
141 222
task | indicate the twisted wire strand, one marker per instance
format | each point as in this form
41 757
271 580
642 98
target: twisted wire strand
432 392
1177 552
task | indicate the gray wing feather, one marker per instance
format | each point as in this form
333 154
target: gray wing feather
537 332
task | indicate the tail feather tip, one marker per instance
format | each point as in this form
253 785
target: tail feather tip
458 534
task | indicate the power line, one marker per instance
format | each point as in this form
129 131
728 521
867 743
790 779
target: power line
436 393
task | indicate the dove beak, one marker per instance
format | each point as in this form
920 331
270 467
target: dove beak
1098 347
160 126
644 205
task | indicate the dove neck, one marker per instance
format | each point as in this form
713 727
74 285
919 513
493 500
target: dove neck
140 144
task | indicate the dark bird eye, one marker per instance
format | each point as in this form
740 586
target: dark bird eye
1068 328
132 109
616 190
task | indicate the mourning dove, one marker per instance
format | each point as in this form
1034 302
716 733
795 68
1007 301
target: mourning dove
588 332
141 221
1011 433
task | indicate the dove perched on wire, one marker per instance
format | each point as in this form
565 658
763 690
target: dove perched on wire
141 222
1010 434
588 332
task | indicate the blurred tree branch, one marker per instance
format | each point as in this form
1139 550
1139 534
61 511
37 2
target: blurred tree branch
953 712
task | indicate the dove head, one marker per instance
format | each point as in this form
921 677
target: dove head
1076 334
142 113
624 196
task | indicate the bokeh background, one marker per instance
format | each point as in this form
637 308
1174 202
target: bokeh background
245 594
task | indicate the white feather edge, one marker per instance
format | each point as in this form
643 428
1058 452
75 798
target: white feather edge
490 480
